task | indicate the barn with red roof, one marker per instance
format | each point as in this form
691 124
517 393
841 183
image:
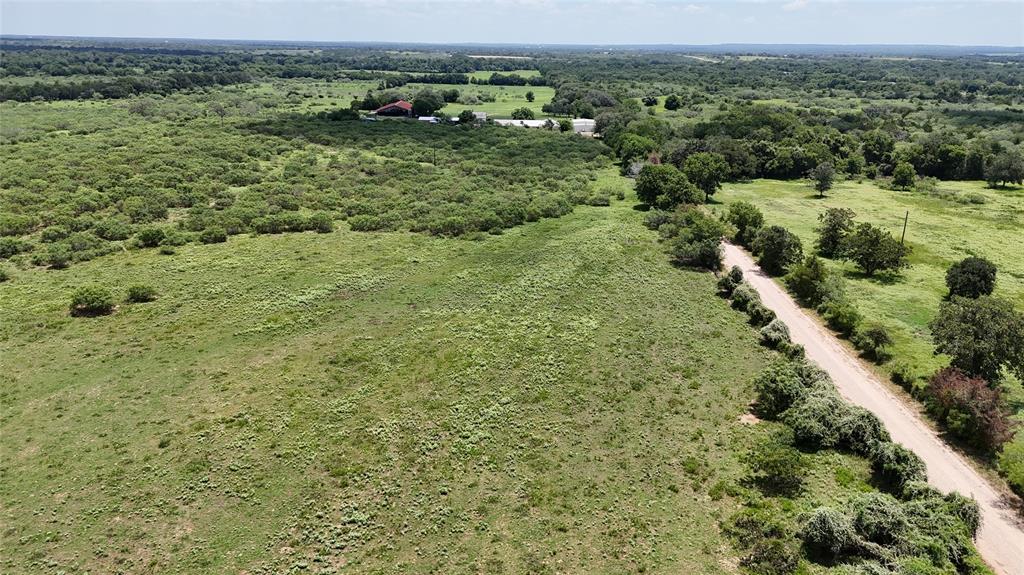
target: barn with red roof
399 108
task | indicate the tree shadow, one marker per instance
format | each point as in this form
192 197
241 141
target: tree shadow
881 278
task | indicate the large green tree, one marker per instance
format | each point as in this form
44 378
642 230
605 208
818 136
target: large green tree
971 277
663 186
823 175
1005 168
835 225
706 170
981 335
777 249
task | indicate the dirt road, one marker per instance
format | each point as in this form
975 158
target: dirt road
1001 537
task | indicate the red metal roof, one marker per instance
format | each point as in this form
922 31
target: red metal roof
399 104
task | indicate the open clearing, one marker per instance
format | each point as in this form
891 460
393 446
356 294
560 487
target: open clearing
556 396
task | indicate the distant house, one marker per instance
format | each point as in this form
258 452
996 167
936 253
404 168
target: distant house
584 126
399 108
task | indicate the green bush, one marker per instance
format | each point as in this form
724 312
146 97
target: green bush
805 280
777 249
91 300
704 254
861 431
971 277
141 294
150 237
1011 463
759 314
777 466
773 557
815 419
213 235
744 295
896 466
828 532
965 509
11 246
873 340
840 315
174 238
775 334
321 223
880 518
4 275
778 387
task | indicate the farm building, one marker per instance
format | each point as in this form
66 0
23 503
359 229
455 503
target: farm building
399 108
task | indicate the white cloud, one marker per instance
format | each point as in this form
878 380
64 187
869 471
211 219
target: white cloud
795 5
695 9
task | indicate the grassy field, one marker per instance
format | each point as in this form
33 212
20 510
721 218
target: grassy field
485 74
943 228
553 399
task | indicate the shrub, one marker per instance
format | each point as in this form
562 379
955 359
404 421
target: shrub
12 246
4 275
54 234
971 277
168 250
174 238
759 314
969 408
861 431
777 249
828 532
743 296
778 387
805 280
654 219
1011 463
57 256
150 237
903 374
873 340
773 557
91 300
965 509
728 282
880 518
704 254
366 223
777 466
775 333
321 223
897 466
840 315
816 418
214 235
141 294
665 187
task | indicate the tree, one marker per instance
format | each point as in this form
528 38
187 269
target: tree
650 101
777 466
980 335
565 125
805 280
632 147
706 170
672 102
874 249
903 176
969 407
664 187
836 224
426 103
466 117
971 277
778 248
523 113
877 146
823 174
529 96
1005 168
747 220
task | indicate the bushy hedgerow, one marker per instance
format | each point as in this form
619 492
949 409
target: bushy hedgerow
760 315
828 532
141 294
775 333
840 315
694 238
743 295
879 518
91 300
213 236
150 237
1011 463
896 466
728 282
769 547
970 408
776 465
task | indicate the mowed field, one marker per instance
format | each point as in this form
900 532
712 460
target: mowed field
942 229
555 398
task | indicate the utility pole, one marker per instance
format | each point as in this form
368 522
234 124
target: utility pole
905 218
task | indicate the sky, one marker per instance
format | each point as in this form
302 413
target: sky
965 22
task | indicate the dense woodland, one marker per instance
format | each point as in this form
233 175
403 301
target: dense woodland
117 149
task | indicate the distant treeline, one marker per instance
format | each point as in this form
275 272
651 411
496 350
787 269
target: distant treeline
118 87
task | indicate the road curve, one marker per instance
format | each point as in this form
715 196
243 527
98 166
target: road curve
1001 537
